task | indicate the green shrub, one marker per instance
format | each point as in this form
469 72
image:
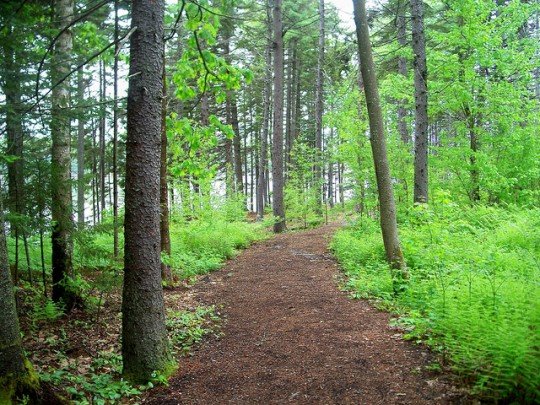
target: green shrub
473 293
199 247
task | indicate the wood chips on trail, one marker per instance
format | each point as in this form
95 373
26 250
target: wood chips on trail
291 336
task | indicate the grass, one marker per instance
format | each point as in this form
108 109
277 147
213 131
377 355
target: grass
473 294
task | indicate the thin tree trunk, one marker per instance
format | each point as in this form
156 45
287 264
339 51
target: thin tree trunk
95 204
263 166
319 100
80 149
102 129
421 98
474 145
14 130
341 185
378 143
331 175
237 145
401 23
289 108
294 100
61 206
277 146
227 28
115 134
14 145
95 177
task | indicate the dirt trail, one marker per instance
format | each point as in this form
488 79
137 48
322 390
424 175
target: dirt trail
290 336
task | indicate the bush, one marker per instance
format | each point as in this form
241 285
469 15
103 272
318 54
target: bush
201 246
473 291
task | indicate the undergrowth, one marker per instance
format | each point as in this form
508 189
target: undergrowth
199 247
201 241
99 381
473 293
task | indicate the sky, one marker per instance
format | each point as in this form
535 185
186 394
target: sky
345 8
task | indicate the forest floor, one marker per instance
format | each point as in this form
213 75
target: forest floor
289 335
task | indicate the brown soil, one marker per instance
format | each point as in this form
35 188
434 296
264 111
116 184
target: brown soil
291 336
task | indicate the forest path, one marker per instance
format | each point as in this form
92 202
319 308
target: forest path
291 336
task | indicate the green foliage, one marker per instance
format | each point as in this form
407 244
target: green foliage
473 291
202 245
100 381
187 328
46 311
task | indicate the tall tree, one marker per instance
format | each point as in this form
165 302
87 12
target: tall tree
401 25
80 148
319 100
61 205
267 90
387 205
16 375
145 347
277 144
421 101
115 131
166 274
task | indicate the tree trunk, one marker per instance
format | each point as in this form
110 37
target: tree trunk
80 149
166 274
277 144
14 129
237 146
331 175
102 130
289 109
263 164
95 188
319 99
145 347
421 98
61 206
378 143
16 375
115 133
472 126
401 23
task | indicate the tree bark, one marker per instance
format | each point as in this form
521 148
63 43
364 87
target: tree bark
401 23
166 274
289 107
277 144
421 99
331 175
16 374
319 100
81 85
145 347
237 146
102 130
14 129
115 133
267 90
388 220
61 205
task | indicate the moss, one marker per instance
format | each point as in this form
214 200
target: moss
12 387
168 369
